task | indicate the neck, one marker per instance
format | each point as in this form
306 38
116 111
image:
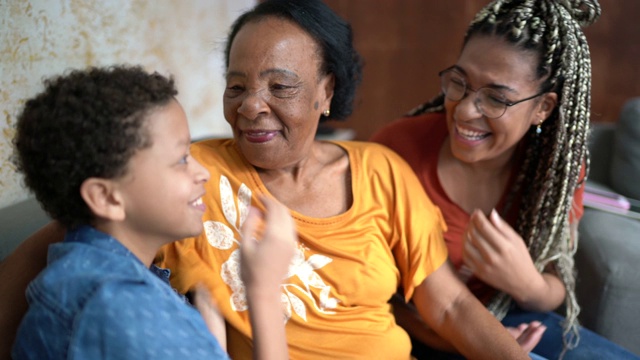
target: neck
144 247
300 170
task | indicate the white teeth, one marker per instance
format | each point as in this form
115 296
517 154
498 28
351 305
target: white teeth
472 135
197 202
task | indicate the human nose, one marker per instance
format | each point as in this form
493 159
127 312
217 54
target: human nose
468 107
253 104
201 174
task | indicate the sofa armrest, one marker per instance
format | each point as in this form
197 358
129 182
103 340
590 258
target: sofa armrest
608 283
17 222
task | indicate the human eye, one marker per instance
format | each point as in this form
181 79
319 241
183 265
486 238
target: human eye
283 90
233 89
457 81
454 86
494 98
184 159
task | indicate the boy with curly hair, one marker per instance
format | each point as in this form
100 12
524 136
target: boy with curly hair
106 152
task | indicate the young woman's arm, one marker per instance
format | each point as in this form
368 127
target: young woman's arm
16 271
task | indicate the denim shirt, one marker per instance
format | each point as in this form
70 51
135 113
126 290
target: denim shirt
97 300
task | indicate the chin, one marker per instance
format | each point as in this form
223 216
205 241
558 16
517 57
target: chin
192 231
465 156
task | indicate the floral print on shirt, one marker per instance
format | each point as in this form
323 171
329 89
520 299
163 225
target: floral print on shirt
222 236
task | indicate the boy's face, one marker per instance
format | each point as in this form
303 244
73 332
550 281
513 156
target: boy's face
163 187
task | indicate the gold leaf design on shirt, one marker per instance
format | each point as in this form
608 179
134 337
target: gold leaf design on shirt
222 236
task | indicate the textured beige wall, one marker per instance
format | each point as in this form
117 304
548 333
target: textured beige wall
40 38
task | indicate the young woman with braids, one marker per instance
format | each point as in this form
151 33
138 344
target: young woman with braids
502 151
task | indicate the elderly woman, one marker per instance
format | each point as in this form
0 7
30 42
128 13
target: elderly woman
365 225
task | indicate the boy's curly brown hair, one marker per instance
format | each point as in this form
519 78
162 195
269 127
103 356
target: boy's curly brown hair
86 123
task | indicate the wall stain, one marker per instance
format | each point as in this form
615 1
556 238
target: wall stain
45 38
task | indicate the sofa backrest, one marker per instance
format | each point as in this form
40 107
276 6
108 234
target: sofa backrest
600 149
17 222
625 162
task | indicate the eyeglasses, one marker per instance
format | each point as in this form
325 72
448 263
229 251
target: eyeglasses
489 102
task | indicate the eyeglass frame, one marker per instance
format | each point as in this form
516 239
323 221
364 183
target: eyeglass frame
507 104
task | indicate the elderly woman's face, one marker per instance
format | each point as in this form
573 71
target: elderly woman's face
275 93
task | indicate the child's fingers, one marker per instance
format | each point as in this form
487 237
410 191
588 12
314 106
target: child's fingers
249 227
278 218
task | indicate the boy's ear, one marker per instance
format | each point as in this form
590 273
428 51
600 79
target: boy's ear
103 199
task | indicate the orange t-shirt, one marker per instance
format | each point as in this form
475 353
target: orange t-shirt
347 267
418 140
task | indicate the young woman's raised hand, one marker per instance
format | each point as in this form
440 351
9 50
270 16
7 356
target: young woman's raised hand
497 255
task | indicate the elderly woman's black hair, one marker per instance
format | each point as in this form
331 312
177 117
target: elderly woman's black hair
333 35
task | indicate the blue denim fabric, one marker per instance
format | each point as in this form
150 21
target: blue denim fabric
591 345
96 300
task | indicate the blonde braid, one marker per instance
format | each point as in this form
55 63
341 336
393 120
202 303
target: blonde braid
550 171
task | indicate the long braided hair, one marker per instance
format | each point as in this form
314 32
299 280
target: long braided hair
553 159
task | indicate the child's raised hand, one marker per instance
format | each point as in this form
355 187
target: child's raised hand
265 261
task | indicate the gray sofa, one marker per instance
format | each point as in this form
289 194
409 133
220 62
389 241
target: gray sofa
19 221
608 256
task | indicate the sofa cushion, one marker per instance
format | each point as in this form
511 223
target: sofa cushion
625 162
608 283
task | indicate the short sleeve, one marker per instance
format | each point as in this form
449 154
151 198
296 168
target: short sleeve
418 247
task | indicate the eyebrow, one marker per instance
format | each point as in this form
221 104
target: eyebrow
492 85
264 73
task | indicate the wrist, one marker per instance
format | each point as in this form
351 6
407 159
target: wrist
261 293
527 296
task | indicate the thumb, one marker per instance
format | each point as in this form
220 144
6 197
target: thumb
497 221
249 227
279 223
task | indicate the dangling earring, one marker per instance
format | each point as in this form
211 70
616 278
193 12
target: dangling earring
539 128
326 113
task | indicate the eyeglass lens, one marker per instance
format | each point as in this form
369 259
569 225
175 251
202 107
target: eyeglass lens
489 103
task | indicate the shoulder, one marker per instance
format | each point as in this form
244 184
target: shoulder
374 163
370 153
78 270
124 307
141 320
130 300
80 312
